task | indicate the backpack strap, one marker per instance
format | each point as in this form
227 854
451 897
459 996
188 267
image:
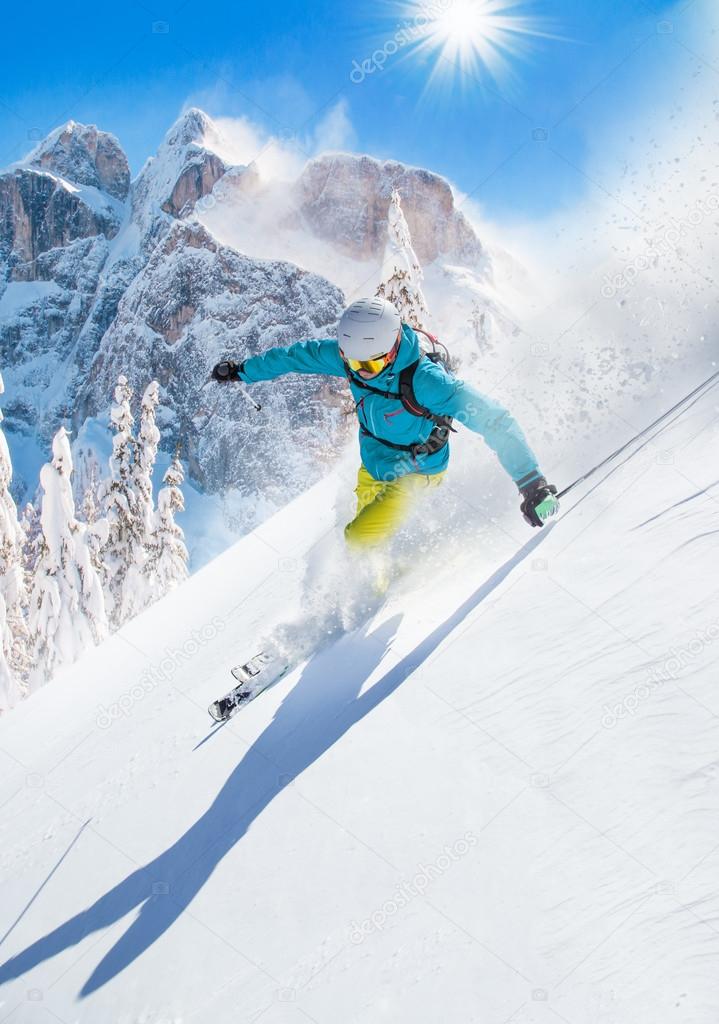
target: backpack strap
434 443
405 395
367 387
442 424
409 400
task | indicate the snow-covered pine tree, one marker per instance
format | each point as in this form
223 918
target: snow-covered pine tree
98 528
85 471
148 439
30 524
123 554
90 506
14 636
10 691
169 551
67 607
402 274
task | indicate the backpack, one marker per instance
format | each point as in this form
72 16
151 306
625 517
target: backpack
442 424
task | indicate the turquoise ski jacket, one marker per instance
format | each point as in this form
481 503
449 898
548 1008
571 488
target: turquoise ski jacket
435 389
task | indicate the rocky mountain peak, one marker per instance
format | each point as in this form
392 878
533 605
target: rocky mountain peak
194 126
84 155
185 169
344 199
71 187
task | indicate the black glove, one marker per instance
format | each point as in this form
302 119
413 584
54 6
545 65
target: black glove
226 371
539 502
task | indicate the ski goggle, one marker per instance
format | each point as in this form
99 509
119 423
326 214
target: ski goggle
374 365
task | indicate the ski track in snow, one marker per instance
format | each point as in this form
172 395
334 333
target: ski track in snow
494 802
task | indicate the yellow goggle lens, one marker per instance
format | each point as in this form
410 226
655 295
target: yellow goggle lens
368 365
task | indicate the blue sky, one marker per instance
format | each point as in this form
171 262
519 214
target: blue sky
131 68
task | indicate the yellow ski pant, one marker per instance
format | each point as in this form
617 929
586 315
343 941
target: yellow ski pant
382 507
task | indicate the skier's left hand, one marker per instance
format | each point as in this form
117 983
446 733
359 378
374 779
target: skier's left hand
226 371
540 503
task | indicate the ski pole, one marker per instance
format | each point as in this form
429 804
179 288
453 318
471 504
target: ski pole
248 397
708 384
243 391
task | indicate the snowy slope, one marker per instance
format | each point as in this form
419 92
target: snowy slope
495 802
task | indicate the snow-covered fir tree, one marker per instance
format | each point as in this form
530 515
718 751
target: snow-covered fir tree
169 553
90 505
148 440
14 637
10 691
402 273
30 523
98 528
67 607
85 473
123 554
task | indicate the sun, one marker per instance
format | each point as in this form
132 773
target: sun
469 37
463 21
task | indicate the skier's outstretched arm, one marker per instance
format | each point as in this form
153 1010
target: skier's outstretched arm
320 357
449 396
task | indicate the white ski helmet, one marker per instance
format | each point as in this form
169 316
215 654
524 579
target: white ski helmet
368 328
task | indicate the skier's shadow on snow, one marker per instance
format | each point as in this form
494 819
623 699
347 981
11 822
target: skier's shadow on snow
322 706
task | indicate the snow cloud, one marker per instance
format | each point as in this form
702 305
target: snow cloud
280 155
334 131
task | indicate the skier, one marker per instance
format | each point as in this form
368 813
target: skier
405 403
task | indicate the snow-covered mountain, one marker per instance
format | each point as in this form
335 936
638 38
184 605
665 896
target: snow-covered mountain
60 211
494 799
101 277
